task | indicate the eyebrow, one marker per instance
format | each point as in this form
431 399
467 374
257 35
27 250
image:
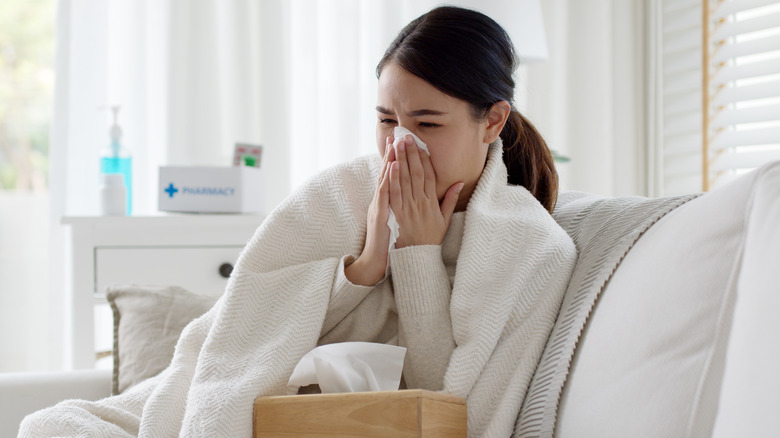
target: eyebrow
415 113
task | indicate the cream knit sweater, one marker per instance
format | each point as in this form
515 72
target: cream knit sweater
410 308
481 339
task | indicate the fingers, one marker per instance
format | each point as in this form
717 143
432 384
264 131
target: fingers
412 176
383 176
378 215
404 176
416 170
389 157
382 192
383 189
390 154
396 198
430 177
384 167
450 201
370 266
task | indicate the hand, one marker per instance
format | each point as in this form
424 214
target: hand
370 266
421 219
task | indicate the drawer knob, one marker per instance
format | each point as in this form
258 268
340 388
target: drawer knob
225 269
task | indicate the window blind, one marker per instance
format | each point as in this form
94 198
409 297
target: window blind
743 87
719 108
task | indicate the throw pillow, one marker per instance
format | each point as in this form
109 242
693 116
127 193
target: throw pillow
148 321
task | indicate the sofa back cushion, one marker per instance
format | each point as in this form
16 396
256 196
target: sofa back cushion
750 391
651 358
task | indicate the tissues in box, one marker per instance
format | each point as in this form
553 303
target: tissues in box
408 413
210 189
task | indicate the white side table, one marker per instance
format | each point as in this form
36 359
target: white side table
193 251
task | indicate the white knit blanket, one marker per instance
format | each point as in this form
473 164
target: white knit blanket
512 272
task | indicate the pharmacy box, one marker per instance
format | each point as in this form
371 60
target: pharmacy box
210 189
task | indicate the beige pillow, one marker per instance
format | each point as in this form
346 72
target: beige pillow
148 321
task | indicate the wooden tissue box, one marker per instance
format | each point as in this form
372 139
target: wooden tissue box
406 413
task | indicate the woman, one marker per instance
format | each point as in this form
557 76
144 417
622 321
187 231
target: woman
471 286
458 108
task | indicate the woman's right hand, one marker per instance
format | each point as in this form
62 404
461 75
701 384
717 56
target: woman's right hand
370 266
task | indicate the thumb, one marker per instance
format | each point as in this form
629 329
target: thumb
450 201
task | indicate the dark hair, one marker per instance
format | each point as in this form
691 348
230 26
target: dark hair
467 55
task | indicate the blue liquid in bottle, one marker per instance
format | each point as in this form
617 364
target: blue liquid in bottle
117 159
123 165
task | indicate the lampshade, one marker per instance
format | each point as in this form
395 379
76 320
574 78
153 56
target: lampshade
522 19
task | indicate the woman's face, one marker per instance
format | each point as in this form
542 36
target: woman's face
455 139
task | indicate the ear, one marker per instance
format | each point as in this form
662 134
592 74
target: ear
496 119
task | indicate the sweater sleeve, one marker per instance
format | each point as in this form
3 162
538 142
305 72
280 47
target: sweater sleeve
422 293
344 297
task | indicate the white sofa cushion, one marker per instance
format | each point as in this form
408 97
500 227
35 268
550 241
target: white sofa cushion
650 360
750 396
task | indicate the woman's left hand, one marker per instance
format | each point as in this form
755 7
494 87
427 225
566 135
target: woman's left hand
421 219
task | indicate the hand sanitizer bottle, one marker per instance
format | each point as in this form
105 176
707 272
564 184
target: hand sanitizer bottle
116 159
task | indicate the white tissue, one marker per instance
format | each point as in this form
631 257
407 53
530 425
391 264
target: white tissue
399 133
350 367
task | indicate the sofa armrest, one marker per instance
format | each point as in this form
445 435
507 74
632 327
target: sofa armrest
24 393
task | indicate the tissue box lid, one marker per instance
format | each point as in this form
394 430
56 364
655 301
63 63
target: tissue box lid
406 413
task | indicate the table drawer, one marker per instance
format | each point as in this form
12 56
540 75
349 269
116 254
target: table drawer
195 268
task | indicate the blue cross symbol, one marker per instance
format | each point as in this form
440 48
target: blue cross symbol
171 190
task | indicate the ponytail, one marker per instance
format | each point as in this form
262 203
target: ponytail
528 160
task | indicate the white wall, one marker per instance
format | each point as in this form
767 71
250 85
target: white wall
588 98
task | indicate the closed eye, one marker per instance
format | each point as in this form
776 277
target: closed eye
387 121
429 125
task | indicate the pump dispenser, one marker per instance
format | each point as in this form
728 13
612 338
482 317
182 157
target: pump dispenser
116 159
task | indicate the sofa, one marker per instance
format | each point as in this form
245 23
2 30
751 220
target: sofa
682 339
